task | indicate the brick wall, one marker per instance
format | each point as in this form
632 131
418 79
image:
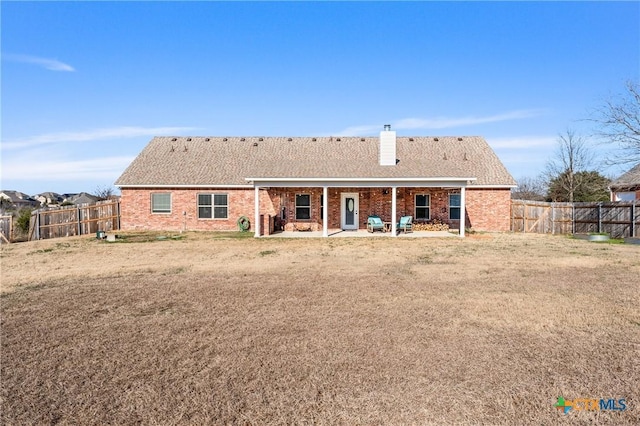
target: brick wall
287 199
487 209
135 210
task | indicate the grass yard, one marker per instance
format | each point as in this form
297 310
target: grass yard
202 329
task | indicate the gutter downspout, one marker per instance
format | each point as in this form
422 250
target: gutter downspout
256 220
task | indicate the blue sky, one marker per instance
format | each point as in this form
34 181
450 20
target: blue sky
85 85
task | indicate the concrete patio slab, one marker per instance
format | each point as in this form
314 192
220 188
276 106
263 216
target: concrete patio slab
361 233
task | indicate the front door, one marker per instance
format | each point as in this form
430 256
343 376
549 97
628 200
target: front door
349 211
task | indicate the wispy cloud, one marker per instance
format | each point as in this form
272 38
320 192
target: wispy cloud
50 64
92 135
103 168
523 142
441 122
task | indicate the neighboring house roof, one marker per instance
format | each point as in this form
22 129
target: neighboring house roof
17 197
628 181
203 161
83 198
49 198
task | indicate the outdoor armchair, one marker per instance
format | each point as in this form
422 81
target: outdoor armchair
374 223
405 224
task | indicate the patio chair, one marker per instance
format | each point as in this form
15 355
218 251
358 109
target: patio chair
405 224
374 223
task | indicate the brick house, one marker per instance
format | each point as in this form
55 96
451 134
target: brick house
627 186
309 183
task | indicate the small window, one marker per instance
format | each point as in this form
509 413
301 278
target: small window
422 206
161 202
213 206
303 206
454 206
625 196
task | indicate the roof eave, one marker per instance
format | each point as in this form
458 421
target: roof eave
148 186
495 186
363 182
363 179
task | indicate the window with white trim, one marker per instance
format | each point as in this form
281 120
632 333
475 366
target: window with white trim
161 202
213 206
423 207
454 206
303 206
625 196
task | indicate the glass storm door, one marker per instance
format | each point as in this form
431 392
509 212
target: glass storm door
349 211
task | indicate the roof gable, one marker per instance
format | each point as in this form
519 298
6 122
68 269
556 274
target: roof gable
629 180
202 161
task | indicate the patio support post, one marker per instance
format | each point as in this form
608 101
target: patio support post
393 211
462 211
256 219
325 211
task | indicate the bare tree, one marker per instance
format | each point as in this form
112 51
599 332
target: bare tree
105 192
619 123
572 156
529 188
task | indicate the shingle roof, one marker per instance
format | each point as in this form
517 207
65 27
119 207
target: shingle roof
629 180
229 161
17 196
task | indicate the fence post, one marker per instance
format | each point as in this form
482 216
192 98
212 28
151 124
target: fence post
78 216
511 224
118 213
37 224
599 217
633 219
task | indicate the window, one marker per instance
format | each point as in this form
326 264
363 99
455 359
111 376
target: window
454 206
625 196
422 206
161 202
303 206
213 206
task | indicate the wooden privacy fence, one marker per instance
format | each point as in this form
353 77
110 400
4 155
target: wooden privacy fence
6 229
619 219
75 220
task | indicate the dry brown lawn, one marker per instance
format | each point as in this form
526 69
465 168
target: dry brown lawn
201 329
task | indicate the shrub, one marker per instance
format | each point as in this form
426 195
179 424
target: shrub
23 219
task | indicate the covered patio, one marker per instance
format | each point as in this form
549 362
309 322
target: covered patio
344 202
